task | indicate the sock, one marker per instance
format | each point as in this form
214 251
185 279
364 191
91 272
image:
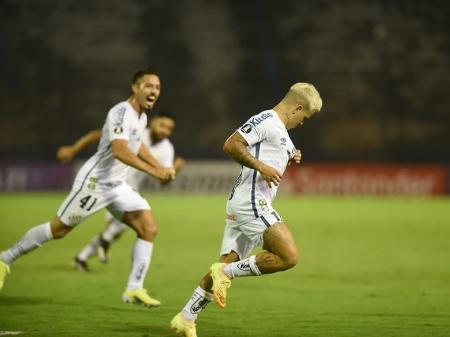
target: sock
245 267
198 302
32 239
114 229
89 250
142 254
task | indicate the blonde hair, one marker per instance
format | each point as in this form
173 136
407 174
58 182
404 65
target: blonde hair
301 93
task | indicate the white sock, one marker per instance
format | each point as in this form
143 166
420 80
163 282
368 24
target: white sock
89 250
113 230
198 302
142 255
32 239
245 267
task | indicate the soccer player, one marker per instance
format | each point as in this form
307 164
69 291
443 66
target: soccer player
101 182
156 137
263 147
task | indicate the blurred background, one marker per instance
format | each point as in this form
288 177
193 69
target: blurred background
382 69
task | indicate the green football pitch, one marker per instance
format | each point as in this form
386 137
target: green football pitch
369 267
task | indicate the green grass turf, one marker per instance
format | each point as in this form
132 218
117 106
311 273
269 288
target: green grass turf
369 267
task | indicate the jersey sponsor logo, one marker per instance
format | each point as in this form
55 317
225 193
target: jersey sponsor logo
246 128
245 266
258 120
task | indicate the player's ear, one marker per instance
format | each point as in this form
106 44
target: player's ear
134 88
299 108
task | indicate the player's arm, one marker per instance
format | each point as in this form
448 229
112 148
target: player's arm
145 154
236 147
123 153
68 152
179 163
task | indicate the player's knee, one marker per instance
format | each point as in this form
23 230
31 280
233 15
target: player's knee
148 232
291 260
59 229
59 233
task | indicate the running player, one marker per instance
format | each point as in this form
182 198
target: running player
101 182
156 137
263 147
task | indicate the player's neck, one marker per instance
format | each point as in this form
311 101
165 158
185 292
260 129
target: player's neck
281 111
135 105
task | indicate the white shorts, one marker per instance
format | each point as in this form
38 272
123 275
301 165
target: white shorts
82 203
243 236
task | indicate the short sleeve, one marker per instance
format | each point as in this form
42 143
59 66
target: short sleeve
119 123
169 155
257 128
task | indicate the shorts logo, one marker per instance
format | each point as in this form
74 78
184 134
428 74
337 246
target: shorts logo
283 141
263 204
231 217
74 219
246 128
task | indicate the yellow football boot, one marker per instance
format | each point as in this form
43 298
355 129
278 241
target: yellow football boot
183 327
221 282
140 297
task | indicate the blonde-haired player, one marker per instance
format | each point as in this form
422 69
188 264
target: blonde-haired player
263 147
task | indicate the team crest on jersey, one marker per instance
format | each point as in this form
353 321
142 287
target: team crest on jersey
246 128
118 130
263 204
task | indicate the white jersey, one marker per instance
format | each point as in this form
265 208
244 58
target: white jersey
163 151
103 171
269 142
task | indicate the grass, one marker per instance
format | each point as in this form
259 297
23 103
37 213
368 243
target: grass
369 267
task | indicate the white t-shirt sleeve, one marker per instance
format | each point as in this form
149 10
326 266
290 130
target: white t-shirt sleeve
255 133
119 123
169 155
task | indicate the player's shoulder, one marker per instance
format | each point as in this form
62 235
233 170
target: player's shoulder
166 144
121 109
262 118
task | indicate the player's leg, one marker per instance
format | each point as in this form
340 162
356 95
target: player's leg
77 206
112 232
184 322
280 250
144 225
133 210
80 260
234 245
33 238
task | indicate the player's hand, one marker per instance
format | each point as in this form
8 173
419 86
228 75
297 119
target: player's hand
270 174
164 174
297 157
173 173
65 154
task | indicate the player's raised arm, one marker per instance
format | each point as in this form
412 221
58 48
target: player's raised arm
67 152
236 147
123 153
